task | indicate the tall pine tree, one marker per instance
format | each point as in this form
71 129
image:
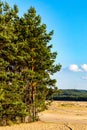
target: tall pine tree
11 104
39 60
26 64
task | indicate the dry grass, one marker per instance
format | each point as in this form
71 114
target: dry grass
59 116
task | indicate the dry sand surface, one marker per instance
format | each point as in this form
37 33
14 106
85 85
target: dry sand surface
60 116
73 115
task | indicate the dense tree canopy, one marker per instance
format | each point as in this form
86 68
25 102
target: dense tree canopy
26 63
70 95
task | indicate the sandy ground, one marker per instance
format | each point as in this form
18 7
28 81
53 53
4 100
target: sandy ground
73 115
60 116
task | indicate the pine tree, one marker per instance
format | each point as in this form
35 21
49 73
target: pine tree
26 64
11 104
38 58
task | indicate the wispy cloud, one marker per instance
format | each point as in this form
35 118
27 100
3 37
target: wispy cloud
74 67
84 77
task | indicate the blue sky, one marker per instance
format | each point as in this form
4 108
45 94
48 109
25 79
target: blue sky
68 19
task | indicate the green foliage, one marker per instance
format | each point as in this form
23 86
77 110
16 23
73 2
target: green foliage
71 94
27 64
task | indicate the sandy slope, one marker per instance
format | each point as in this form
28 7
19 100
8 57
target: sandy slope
59 116
71 114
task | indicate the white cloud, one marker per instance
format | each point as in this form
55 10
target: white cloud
84 67
74 67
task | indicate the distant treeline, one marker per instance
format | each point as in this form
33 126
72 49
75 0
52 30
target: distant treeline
70 95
